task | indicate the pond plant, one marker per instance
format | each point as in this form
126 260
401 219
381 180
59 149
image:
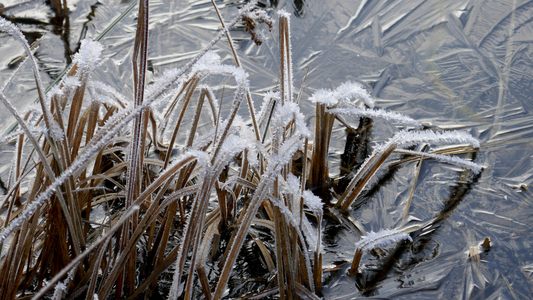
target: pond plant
258 179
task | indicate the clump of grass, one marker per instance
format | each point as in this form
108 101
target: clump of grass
89 147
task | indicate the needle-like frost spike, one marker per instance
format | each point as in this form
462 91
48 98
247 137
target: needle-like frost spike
381 239
376 114
378 239
342 95
445 158
313 202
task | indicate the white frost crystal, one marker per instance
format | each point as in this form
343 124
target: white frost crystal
381 239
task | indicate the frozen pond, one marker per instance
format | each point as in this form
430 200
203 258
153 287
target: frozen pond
450 64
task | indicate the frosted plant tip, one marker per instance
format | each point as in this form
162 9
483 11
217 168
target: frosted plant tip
283 13
313 202
10 28
381 239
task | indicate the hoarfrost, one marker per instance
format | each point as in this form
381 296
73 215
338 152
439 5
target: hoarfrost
352 90
342 95
89 56
324 96
409 138
453 160
269 99
376 114
56 132
283 13
381 239
313 202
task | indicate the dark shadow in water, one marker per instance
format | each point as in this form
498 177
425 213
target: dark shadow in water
85 26
384 179
3 187
60 23
62 29
356 150
274 3
368 280
23 20
250 271
299 8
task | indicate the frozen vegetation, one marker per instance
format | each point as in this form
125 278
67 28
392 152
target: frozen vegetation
87 145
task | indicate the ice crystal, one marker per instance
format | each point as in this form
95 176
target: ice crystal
261 37
70 83
9 137
61 287
313 202
352 90
381 239
59 290
11 29
405 139
230 138
173 75
342 95
376 114
292 188
283 13
269 99
286 114
111 94
56 132
293 221
166 80
232 146
324 96
260 15
89 56
55 91
210 65
310 233
209 60
445 158
247 136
